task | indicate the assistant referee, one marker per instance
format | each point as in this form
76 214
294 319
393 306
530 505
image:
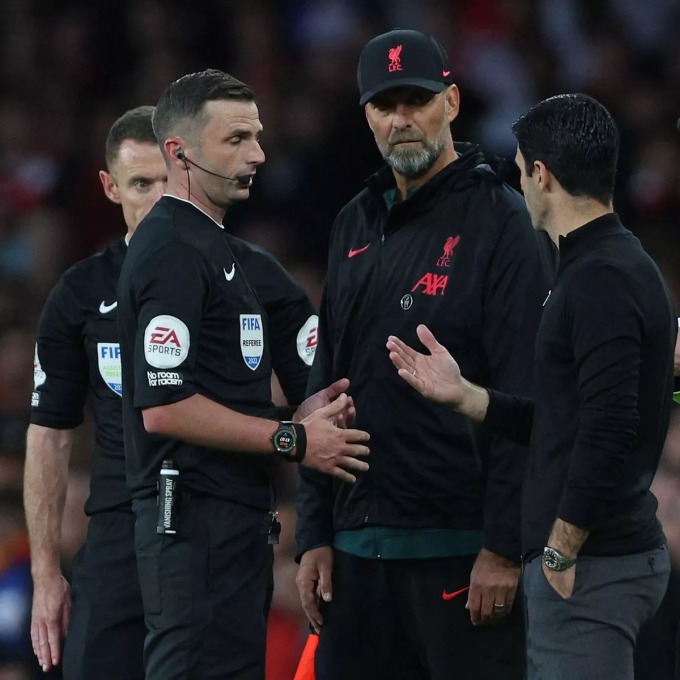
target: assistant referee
77 359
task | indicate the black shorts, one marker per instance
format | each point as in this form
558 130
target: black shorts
105 638
389 621
206 590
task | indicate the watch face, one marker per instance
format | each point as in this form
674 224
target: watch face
555 561
550 561
284 439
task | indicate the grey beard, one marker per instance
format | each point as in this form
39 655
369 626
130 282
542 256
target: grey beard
414 163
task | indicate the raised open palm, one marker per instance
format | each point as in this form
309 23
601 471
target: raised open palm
436 376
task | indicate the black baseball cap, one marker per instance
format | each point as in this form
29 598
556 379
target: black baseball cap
399 58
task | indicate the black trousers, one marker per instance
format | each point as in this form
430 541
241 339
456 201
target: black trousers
206 591
389 621
657 649
106 635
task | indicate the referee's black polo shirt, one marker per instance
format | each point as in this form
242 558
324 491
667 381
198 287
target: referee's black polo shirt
190 323
77 357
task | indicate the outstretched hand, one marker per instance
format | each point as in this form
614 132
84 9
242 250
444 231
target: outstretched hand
436 376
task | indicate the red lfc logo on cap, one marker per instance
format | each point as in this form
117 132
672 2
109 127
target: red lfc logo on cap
394 55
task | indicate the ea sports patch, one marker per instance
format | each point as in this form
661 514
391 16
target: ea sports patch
39 376
308 339
166 341
252 339
108 360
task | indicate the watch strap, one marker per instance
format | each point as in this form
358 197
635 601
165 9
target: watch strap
301 443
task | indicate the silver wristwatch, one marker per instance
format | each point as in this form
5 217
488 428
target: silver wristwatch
555 561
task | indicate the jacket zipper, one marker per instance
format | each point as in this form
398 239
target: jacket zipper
379 266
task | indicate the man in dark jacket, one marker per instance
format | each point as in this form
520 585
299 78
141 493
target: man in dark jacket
596 564
413 560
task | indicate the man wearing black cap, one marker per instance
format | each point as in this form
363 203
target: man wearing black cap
412 571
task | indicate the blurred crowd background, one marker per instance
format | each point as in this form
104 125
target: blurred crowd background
69 68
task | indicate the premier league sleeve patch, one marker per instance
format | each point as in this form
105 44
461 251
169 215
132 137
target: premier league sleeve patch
252 339
166 341
108 359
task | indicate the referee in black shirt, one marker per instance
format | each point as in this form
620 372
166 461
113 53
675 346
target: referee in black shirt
78 358
196 353
596 564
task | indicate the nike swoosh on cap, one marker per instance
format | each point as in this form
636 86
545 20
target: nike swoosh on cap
355 251
105 309
229 276
455 593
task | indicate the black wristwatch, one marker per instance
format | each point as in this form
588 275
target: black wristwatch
555 560
290 441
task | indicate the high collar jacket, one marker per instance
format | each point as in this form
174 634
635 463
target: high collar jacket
459 255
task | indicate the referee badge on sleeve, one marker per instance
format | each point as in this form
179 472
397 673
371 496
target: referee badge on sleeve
252 339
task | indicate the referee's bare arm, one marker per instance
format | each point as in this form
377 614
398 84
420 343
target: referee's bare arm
198 420
45 482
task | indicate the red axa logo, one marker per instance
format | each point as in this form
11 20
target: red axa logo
432 284
164 336
449 247
394 55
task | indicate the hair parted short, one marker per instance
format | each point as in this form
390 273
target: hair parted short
134 124
183 101
577 140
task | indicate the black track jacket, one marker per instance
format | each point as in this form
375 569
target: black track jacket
461 256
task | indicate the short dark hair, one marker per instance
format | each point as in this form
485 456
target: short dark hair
134 124
577 140
183 101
